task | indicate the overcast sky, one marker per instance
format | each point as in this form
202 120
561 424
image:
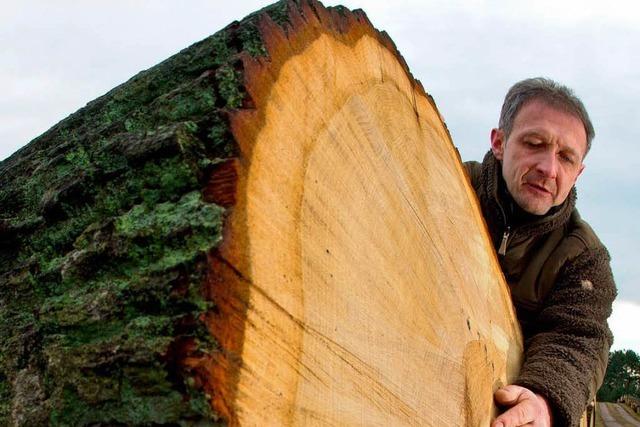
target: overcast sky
57 56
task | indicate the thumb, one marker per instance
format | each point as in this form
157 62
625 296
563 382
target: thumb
508 395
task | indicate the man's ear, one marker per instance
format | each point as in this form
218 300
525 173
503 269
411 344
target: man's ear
497 143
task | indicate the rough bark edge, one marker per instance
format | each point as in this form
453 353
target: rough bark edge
118 176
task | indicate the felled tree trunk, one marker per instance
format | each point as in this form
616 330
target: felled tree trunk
271 227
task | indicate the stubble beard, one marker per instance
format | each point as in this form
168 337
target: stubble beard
529 201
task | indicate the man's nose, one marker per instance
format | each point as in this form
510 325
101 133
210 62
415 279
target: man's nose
547 164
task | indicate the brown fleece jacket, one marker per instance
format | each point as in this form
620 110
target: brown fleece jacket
562 288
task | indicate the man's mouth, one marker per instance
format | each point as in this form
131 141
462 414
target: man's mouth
538 188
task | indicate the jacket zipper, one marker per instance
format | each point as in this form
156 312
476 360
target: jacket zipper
502 250
503 244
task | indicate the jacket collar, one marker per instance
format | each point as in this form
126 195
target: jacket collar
496 205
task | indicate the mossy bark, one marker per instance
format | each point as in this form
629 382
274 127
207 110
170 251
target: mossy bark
103 241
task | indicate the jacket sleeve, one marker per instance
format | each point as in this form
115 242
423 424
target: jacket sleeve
566 357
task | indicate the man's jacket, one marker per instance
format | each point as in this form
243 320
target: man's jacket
562 288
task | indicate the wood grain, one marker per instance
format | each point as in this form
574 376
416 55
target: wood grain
372 293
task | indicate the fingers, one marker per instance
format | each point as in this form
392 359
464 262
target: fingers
521 414
509 395
526 408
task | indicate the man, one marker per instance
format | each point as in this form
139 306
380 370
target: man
557 269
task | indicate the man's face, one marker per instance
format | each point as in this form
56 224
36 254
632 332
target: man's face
542 157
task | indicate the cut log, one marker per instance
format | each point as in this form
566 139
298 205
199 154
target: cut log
272 227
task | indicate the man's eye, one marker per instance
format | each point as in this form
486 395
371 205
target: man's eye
566 158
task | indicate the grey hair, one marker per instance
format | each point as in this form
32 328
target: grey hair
548 91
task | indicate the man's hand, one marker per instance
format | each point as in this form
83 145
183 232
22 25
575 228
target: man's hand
526 408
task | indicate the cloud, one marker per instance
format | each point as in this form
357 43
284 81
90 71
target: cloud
624 325
57 57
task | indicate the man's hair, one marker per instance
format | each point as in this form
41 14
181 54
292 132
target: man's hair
548 91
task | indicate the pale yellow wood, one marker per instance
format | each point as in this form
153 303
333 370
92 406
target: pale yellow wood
374 295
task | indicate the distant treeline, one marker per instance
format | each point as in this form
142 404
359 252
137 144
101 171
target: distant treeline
622 377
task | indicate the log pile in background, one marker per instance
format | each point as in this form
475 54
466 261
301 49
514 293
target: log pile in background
270 227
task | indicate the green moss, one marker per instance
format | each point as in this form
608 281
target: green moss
229 87
192 102
103 317
252 41
172 232
135 398
114 112
137 408
74 333
167 218
79 158
220 139
95 389
131 409
167 183
150 326
156 181
71 412
148 239
108 235
279 12
5 397
113 273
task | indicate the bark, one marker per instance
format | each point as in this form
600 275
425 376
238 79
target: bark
168 254
103 243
